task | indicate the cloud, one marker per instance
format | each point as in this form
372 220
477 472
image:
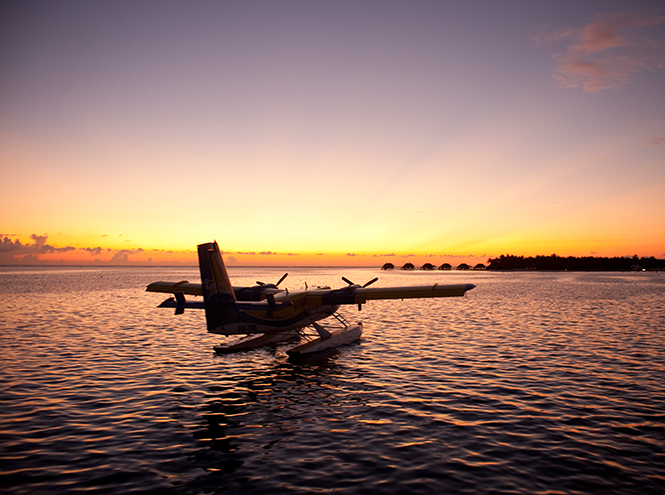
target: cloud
40 240
264 253
40 246
9 246
94 251
603 54
50 249
122 256
15 252
10 251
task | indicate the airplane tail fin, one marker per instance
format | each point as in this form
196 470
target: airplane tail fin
218 296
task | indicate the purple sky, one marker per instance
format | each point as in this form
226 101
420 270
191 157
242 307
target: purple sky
471 127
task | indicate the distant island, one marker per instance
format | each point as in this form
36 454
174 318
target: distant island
552 262
572 263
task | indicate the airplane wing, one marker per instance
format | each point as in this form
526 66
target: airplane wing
360 295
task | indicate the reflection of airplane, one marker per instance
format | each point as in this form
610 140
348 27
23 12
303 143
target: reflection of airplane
268 314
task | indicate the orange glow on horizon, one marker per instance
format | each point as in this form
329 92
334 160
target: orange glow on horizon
40 250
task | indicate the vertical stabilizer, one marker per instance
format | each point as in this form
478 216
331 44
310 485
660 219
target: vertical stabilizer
218 296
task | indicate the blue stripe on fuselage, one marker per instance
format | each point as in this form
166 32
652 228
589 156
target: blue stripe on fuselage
245 323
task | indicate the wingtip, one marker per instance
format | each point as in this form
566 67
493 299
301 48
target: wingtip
470 286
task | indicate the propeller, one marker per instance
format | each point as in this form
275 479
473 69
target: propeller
281 279
278 282
366 285
351 284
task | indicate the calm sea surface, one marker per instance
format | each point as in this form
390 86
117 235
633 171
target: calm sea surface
532 383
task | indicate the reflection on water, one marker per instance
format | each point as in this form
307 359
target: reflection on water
532 383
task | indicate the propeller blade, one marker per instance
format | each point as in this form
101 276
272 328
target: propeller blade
281 279
260 283
347 281
371 282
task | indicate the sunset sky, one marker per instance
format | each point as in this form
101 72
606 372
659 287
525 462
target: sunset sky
330 133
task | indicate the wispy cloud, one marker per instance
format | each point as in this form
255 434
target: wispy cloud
603 54
96 251
263 253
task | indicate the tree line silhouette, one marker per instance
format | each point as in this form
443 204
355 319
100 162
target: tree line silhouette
572 263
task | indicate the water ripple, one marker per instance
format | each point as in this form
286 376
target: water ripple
533 383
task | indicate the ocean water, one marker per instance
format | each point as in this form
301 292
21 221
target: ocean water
532 383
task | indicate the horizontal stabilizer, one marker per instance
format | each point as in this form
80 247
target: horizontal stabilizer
185 287
172 303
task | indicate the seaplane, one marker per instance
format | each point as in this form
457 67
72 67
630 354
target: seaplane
268 315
